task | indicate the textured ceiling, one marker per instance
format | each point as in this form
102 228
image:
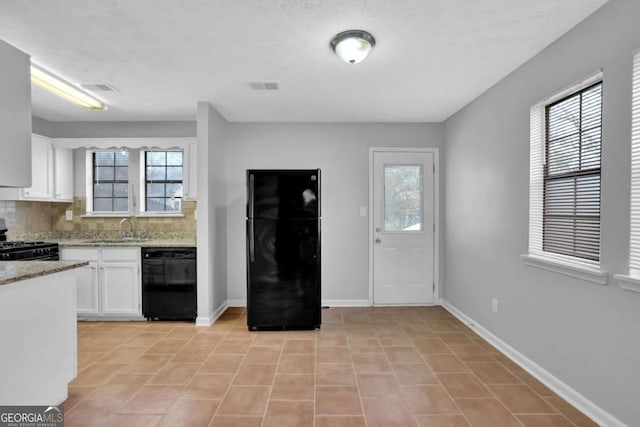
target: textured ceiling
431 58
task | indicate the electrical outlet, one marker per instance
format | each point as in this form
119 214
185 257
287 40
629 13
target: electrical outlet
68 215
494 305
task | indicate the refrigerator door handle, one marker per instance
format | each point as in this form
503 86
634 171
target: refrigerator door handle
251 196
252 243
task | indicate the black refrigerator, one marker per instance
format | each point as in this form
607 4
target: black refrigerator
283 249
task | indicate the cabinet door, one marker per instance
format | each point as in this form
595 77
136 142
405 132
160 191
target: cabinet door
63 176
87 289
86 278
41 170
190 176
15 117
120 288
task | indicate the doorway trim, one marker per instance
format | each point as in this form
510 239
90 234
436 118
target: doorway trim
436 213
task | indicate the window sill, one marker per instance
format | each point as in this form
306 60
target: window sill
583 272
129 215
106 215
159 215
628 283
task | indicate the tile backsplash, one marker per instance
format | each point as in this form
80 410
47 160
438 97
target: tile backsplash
25 218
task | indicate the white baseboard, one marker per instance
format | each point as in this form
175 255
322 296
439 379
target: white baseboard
210 319
593 411
103 318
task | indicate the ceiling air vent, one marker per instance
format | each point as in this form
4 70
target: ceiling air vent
265 85
98 87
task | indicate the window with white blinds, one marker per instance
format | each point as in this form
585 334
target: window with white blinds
566 141
573 141
634 234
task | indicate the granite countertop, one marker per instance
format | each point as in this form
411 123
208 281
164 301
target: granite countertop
124 243
14 271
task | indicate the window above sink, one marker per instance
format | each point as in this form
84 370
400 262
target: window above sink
136 176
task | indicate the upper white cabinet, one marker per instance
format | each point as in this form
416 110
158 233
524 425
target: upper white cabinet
51 174
63 174
190 177
15 117
41 170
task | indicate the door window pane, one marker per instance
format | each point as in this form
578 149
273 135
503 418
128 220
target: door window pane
403 198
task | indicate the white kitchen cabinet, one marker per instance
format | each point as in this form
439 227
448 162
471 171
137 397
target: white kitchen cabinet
42 170
120 280
109 287
63 174
15 117
190 178
87 289
51 174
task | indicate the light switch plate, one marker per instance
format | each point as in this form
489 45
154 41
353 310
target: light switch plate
363 211
68 215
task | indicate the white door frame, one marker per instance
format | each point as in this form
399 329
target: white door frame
436 213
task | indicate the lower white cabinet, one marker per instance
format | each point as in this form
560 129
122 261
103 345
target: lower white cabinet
110 285
87 289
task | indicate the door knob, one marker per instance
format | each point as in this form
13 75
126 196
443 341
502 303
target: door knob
378 240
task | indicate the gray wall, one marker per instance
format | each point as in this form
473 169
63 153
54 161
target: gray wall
121 129
41 126
586 335
342 152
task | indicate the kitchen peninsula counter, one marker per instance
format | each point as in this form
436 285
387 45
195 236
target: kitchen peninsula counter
39 331
15 271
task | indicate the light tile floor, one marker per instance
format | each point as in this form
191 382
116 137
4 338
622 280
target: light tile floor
409 366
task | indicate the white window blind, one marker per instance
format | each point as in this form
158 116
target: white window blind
536 179
573 140
634 237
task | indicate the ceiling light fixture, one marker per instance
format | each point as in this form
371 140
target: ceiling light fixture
352 46
55 85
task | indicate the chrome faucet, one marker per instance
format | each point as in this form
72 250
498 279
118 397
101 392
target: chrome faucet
122 221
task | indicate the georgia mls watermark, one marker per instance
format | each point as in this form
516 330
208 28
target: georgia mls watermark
31 416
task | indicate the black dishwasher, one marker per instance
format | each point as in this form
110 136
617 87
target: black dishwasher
169 283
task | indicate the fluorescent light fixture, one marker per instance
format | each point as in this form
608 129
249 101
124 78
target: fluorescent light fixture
352 46
55 85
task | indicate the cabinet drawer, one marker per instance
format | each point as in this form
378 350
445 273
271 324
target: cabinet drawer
120 254
78 254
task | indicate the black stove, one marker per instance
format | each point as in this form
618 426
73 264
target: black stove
29 251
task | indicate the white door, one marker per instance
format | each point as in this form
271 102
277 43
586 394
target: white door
403 222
